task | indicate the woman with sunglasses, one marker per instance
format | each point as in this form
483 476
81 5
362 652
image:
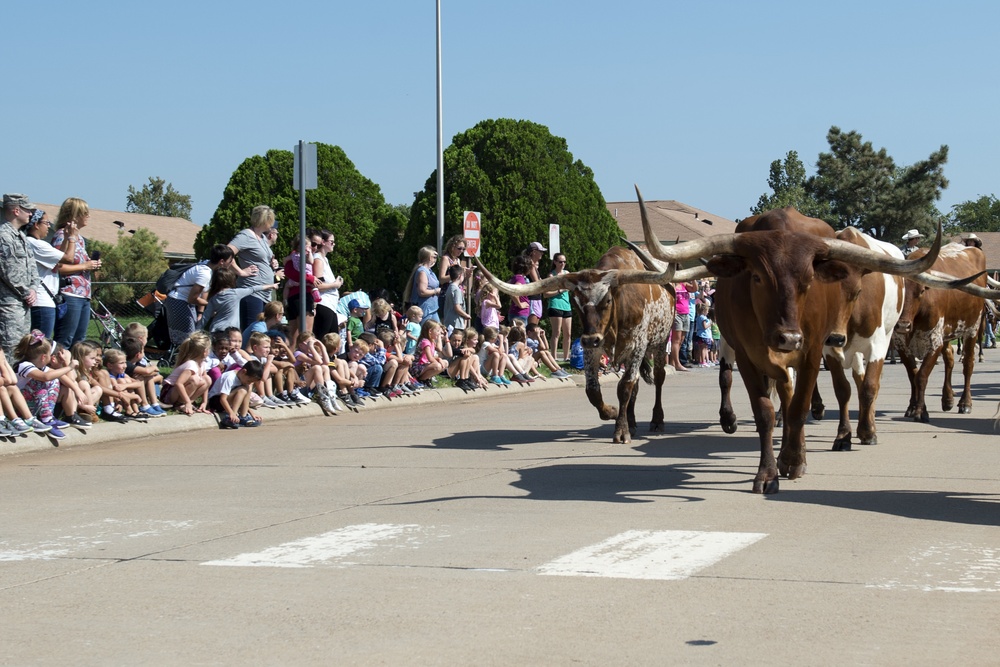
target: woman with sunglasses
48 259
453 250
560 312
327 282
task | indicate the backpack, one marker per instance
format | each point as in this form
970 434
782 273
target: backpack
168 279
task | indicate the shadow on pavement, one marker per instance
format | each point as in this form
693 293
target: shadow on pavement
969 508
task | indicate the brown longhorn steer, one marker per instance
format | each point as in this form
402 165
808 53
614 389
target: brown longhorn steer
626 314
777 304
932 318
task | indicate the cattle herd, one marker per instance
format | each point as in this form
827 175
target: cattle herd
791 295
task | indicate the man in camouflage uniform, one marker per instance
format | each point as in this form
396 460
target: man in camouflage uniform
18 272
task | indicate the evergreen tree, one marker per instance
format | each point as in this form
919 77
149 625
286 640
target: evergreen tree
864 188
787 181
158 198
346 203
522 179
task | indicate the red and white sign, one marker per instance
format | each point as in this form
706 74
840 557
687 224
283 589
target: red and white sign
471 226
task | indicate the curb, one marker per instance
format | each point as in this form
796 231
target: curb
173 424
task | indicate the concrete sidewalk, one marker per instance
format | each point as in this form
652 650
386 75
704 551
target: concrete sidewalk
172 424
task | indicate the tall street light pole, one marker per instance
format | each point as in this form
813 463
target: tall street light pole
440 143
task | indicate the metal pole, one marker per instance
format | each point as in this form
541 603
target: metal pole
440 143
302 237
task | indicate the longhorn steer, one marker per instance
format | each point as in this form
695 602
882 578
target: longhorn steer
870 309
777 303
626 314
932 318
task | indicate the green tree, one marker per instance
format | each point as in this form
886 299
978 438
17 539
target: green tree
346 203
522 179
864 188
981 215
134 262
787 181
158 198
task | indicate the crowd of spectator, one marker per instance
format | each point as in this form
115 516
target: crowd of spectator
241 340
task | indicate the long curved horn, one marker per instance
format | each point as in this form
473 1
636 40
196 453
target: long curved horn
550 284
991 282
621 277
877 261
939 280
721 244
687 275
647 260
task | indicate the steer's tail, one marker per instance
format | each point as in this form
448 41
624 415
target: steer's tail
646 371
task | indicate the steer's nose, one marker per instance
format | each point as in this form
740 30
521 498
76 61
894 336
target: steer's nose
836 340
591 340
903 327
789 341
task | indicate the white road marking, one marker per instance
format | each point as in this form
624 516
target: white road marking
88 536
328 547
646 554
956 568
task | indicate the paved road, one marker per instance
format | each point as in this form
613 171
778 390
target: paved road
508 532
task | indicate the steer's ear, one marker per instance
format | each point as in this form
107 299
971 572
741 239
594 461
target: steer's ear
831 270
726 266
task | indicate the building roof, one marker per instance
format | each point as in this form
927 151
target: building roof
106 225
670 220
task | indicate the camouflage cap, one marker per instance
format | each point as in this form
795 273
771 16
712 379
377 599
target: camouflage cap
20 201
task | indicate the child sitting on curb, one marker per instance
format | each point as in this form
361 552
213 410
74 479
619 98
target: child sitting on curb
428 363
230 396
189 381
340 371
72 398
37 382
492 361
144 373
538 343
122 394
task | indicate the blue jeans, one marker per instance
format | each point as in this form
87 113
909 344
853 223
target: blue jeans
72 327
250 308
43 318
374 377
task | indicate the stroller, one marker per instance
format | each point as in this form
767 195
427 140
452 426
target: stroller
158 347
110 330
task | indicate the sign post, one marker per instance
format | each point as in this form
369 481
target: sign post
471 225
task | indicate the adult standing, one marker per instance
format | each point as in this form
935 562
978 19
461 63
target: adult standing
452 256
187 300
560 311
71 326
535 251
423 288
520 306
911 241
18 276
681 325
48 259
252 248
328 284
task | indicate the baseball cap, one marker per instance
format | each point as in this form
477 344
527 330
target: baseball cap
535 245
354 303
18 200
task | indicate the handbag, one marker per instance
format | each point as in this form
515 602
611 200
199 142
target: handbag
59 300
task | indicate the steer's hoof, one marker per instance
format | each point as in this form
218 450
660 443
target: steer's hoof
728 422
842 444
947 405
622 437
655 427
870 441
964 409
818 412
765 486
794 472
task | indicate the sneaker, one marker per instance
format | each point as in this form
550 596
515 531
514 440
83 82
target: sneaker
560 374
358 400
496 380
363 393
39 426
278 400
56 433
150 412
269 402
255 400
79 422
348 401
116 417
249 421
503 378
138 417
226 423
20 426
296 397
5 429
158 409
55 423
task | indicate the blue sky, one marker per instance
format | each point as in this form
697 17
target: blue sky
692 101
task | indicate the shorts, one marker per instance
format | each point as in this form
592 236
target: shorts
559 312
292 307
416 368
703 343
215 403
681 322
